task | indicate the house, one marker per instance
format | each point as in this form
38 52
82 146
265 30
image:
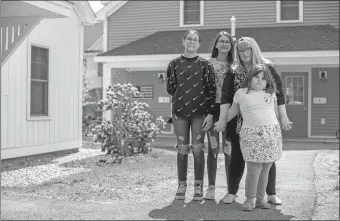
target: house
93 72
41 75
300 37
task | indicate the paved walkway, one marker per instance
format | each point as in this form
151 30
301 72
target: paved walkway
297 185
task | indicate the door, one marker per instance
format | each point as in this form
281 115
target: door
296 95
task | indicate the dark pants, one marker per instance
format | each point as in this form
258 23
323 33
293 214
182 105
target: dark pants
213 150
237 164
182 128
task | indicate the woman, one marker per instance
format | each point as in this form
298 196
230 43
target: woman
247 54
221 59
191 84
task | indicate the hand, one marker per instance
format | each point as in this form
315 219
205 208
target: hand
219 126
285 123
207 123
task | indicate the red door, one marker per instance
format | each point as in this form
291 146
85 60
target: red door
296 94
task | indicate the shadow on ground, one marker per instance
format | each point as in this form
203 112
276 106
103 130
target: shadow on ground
287 146
34 160
210 210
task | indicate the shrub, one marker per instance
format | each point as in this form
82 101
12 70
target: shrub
132 127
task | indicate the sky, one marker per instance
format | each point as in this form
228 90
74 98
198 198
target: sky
96 5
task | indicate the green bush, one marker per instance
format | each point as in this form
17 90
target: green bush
132 127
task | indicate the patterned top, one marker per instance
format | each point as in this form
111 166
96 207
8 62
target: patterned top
220 68
191 83
233 82
257 107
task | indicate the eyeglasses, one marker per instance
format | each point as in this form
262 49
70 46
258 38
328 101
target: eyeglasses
245 51
194 40
224 42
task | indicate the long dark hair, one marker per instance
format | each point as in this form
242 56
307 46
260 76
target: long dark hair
230 56
256 69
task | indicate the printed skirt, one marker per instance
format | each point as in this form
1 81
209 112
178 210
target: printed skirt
261 144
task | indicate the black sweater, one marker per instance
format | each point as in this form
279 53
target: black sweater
191 83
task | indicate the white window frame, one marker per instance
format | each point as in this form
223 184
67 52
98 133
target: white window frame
29 74
181 15
278 13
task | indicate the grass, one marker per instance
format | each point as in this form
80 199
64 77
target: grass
138 177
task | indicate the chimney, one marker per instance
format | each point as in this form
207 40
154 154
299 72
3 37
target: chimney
233 21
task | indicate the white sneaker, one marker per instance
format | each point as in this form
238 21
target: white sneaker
229 198
274 200
210 195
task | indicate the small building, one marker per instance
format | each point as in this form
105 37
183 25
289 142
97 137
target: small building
41 75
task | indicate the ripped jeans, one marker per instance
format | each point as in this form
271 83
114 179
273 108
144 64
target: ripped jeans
182 128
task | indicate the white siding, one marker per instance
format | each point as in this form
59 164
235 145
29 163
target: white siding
63 38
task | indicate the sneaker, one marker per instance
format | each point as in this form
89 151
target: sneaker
210 195
229 198
274 200
198 192
180 195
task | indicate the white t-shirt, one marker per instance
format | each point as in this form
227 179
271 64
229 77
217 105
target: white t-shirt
257 107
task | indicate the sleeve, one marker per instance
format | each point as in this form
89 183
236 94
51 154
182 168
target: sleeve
227 88
171 81
278 81
209 81
238 96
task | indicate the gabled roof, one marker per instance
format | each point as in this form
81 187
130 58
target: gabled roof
270 39
85 11
109 9
92 33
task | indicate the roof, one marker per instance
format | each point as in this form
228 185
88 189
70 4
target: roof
270 39
86 13
109 9
91 34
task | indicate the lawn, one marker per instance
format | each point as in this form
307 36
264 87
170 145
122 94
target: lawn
90 175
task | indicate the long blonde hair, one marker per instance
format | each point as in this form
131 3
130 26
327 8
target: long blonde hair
256 52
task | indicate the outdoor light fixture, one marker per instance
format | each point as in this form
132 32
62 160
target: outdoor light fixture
322 75
161 78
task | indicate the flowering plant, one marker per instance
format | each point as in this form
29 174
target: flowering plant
132 127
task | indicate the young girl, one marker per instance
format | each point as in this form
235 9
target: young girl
260 135
221 60
191 84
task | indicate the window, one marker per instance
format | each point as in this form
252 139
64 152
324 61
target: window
100 69
191 13
39 81
289 11
294 89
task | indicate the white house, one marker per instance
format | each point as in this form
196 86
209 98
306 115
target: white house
41 75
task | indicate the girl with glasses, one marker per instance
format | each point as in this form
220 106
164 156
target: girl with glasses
221 60
191 84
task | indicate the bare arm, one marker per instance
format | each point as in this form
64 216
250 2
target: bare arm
233 111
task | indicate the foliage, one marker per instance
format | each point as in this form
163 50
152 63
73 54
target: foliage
132 127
